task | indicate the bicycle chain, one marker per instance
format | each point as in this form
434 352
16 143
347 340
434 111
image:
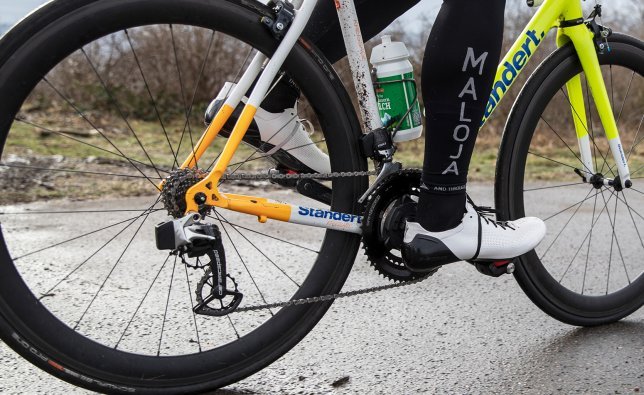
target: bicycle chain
326 298
322 298
296 176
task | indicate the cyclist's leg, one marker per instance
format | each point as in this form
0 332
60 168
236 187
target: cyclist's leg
458 70
456 89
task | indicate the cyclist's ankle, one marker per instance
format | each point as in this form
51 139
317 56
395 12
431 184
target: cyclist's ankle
442 206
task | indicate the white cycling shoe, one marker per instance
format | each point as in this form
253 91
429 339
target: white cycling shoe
476 239
283 136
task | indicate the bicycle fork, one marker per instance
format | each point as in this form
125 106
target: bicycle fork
583 41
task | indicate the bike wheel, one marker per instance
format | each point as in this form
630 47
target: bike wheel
589 268
84 293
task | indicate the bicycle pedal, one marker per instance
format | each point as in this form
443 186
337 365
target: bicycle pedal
494 268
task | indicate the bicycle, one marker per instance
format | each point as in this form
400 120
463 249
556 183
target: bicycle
82 324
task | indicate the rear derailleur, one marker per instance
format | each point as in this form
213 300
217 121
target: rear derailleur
190 237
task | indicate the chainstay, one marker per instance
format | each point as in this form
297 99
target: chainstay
296 176
323 298
326 298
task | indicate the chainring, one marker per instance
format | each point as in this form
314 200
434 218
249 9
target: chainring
386 210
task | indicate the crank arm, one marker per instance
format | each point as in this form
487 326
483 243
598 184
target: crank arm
314 190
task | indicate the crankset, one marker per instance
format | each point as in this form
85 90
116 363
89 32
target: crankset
189 237
387 208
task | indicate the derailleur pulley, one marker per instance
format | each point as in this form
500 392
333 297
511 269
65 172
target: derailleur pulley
190 237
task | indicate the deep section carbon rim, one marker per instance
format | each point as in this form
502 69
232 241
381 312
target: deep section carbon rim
84 152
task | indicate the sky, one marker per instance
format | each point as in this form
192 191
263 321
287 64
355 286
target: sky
11 11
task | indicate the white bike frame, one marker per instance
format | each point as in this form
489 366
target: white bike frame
551 14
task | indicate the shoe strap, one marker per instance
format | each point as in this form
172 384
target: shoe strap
479 237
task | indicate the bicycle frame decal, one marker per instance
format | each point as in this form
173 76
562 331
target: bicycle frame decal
326 219
511 67
548 16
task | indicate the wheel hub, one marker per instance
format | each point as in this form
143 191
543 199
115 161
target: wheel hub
598 181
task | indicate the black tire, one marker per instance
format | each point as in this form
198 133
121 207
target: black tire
36 330
537 160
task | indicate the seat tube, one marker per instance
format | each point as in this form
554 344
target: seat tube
358 63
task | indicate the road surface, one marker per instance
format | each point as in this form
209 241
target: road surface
458 332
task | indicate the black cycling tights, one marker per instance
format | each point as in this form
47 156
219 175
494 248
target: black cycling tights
460 61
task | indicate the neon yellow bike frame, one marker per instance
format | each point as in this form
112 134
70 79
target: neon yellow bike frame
550 15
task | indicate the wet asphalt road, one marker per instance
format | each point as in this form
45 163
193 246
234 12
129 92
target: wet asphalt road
458 332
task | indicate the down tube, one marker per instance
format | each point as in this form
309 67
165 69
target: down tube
322 218
522 50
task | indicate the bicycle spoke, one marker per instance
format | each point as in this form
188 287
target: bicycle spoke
566 144
630 212
113 101
75 171
566 224
583 241
192 307
587 131
636 190
269 236
628 89
167 303
92 255
613 222
258 249
552 160
188 109
632 209
80 113
141 303
74 212
619 249
554 186
568 208
268 156
256 150
230 320
635 144
111 271
83 235
149 91
245 266
590 241
63 134
182 90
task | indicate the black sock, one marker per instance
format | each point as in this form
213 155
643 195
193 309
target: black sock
440 210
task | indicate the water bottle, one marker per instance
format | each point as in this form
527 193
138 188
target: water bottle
396 89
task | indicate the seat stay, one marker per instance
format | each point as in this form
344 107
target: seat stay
234 97
208 187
